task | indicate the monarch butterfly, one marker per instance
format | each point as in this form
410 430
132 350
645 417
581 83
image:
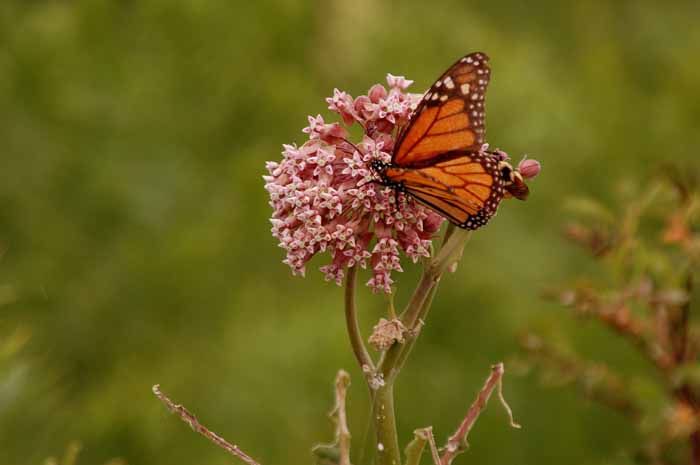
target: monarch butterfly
437 158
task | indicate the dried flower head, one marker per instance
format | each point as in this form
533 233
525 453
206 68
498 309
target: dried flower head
324 198
386 333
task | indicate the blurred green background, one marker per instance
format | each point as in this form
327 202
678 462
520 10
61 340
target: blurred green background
134 234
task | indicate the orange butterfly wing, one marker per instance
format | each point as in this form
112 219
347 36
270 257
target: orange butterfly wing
450 116
465 188
437 157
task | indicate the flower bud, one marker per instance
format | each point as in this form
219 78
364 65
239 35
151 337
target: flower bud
376 93
529 168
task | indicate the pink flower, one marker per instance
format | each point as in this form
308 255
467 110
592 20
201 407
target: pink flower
324 199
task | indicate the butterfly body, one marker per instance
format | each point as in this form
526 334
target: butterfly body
438 158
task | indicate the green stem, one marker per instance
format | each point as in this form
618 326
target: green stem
385 421
394 358
451 251
409 317
413 335
421 300
358 345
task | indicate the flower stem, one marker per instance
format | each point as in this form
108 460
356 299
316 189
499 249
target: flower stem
390 359
385 421
394 358
421 300
415 331
358 345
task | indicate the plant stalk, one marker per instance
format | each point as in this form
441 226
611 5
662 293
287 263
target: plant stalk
421 300
358 345
388 451
394 358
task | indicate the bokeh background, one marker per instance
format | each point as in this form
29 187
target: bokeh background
134 234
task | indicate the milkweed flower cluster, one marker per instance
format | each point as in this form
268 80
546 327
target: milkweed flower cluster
324 198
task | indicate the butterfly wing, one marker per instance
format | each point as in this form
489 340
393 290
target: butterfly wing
450 116
464 187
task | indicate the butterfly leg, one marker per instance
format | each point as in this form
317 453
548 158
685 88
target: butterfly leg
394 187
396 200
351 144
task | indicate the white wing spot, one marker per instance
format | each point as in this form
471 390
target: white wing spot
443 98
435 96
448 83
464 88
438 84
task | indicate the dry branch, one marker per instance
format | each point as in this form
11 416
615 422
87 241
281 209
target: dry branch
191 420
457 443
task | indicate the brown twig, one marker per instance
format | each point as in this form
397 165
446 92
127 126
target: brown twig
191 420
337 452
458 441
342 433
433 447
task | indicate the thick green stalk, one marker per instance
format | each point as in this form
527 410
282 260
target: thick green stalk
411 338
389 361
393 359
388 451
420 302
